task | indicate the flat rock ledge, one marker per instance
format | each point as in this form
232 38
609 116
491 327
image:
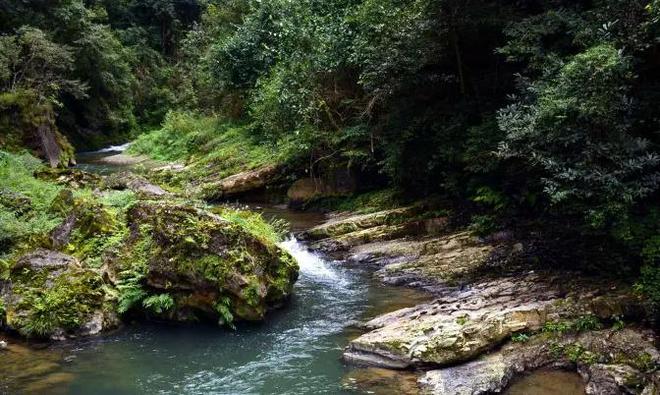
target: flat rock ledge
492 319
610 362
461 326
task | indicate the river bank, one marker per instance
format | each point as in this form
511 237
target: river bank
409 302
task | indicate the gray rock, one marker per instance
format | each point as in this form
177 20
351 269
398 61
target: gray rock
466 323
135 183
42 259
493 373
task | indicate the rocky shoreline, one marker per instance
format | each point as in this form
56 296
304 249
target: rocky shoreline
494 317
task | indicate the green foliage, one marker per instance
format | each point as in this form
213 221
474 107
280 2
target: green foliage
223 308
483 225
24 200
520 338
121 200
158 304
582 323
130 279
363 203
271 232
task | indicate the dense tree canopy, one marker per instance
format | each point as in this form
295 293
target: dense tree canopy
546 108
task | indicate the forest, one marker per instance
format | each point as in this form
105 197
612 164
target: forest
537 116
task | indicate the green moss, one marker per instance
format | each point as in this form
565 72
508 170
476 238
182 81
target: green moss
462 320
61 303
363 203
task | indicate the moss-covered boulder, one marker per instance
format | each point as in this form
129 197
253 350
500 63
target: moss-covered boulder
50 295
185 264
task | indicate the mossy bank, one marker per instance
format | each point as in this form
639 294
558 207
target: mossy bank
83 252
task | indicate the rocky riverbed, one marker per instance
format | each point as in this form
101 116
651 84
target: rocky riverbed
495 316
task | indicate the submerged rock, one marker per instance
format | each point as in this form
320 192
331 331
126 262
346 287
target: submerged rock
186 264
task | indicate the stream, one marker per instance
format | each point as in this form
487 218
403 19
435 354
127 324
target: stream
297 350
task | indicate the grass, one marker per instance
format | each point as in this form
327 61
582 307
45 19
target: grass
24 200
272 232
210 146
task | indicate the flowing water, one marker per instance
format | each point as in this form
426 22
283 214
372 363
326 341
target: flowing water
297 350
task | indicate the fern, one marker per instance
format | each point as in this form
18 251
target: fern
158 303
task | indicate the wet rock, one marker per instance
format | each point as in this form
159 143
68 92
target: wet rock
203 266
466 323
241 183
373 234
341 226
492 373
381 381
445 259
135 183
611 379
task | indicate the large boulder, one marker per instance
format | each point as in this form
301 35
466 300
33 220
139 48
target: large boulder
241 183
610 362
337 183
468 322
185 264
50 295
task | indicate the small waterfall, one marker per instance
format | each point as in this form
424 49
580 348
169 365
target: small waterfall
311 264
114 148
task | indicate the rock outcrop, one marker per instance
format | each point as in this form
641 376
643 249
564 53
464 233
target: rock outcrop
464 324
241 183
127 180
486 295
610 362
